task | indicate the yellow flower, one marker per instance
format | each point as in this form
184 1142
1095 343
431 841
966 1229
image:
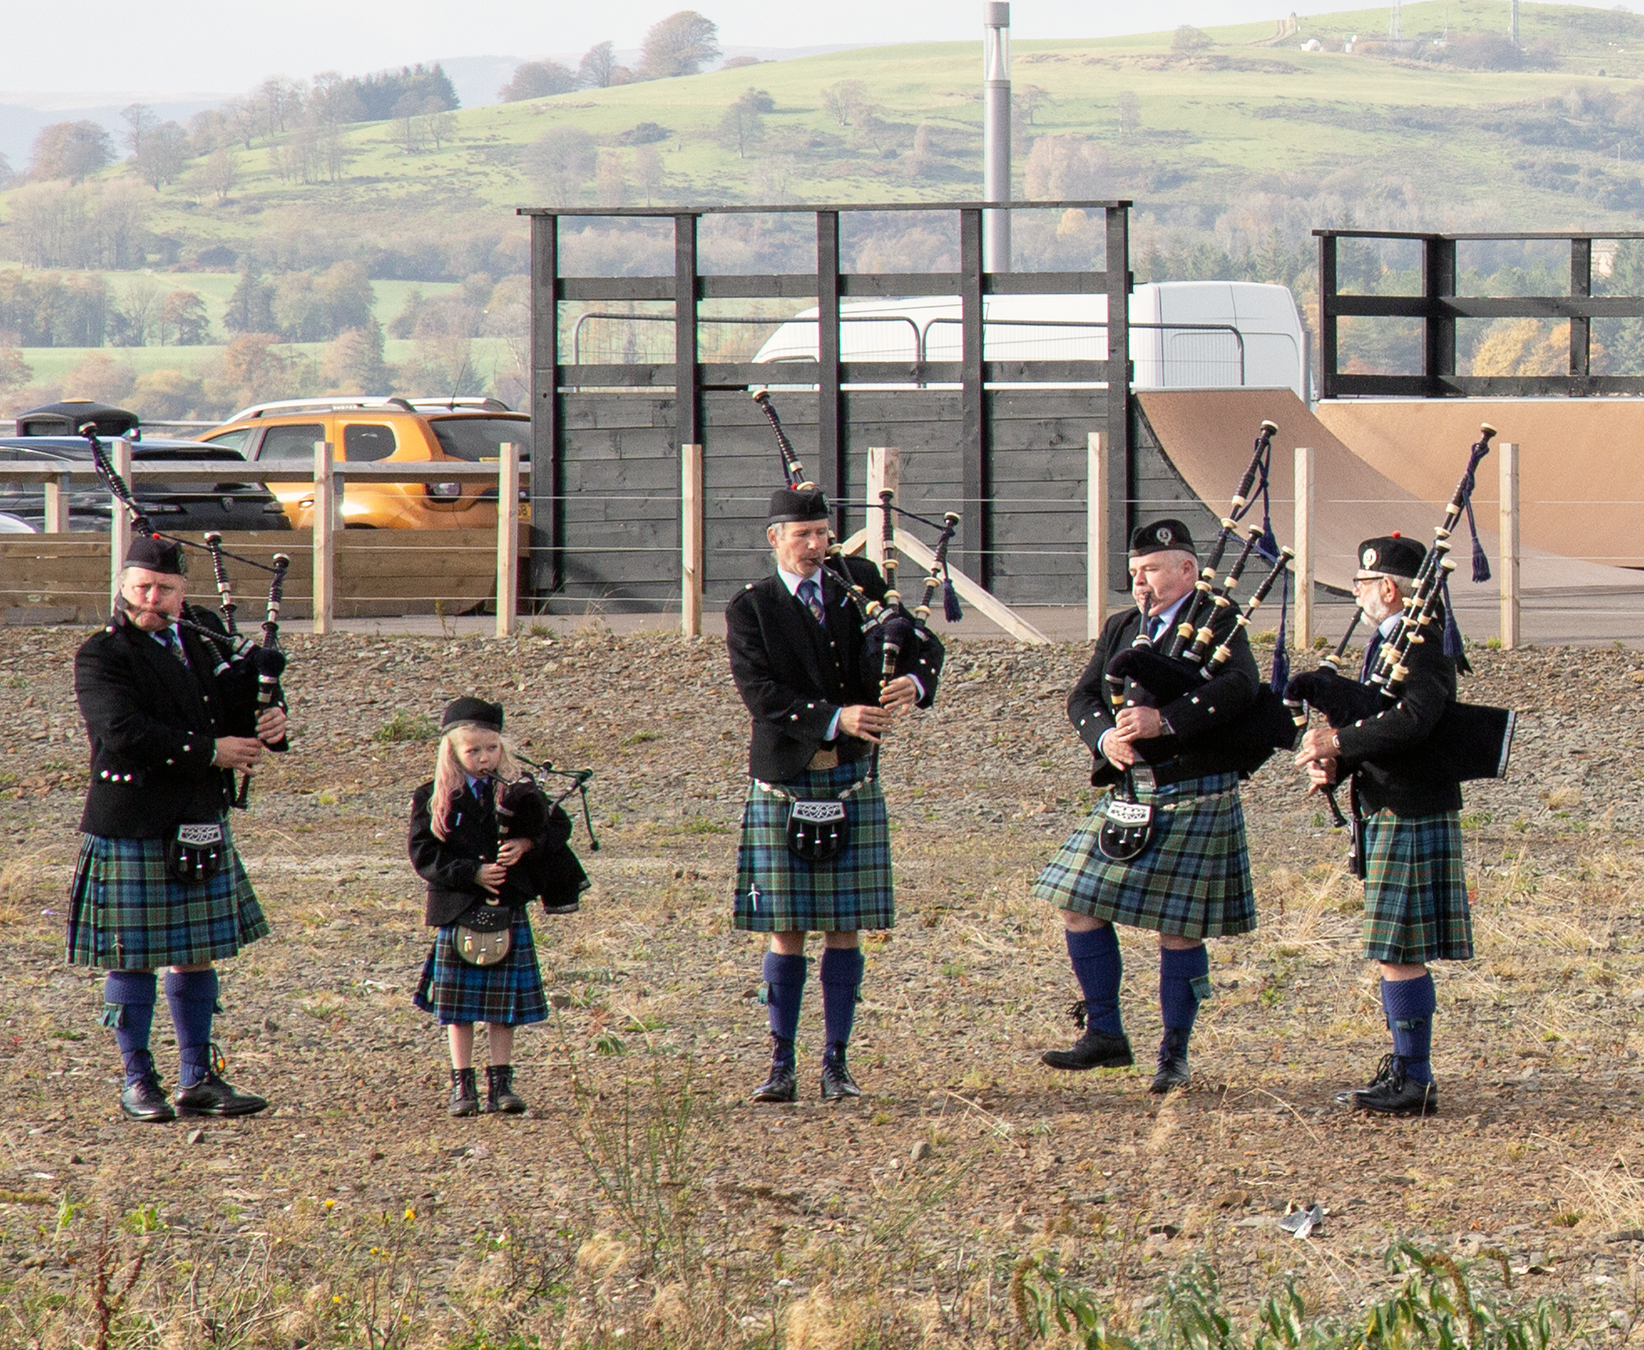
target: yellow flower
330 1203
336 1298
410 1214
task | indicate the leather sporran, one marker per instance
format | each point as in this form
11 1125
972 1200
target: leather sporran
484 933
817 830
1127 825
196 852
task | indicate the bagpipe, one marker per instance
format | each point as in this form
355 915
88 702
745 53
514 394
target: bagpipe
894 636
1470 740
255 667
1147 674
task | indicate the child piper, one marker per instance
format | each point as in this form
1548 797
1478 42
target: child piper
487 842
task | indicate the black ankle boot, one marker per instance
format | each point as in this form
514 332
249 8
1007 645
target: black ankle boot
499 1090
1173 1071
464 1094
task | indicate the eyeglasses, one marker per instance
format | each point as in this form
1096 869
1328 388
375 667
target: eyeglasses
1369 580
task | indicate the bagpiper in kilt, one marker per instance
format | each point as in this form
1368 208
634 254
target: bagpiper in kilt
1408 817
796 649
1192 880
159 882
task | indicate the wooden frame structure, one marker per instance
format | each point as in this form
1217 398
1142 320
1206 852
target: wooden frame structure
688 379
1439 307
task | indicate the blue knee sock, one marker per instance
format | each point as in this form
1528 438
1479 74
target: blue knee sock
1184 978
785 985
1410 1006
192 995
1099 967
841 970
128 1009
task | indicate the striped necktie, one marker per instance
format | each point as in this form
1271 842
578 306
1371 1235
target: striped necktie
811 594
173 643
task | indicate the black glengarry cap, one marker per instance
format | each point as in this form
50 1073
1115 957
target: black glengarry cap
475 710
796 504
1392 555
155 555
1159 536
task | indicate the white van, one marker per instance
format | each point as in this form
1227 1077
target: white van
1183 334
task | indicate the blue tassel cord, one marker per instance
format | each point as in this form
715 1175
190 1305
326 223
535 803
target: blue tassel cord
950 601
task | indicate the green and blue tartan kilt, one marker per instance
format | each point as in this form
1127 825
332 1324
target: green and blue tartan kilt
779 893
1415 894
1193 881
508 993
127 912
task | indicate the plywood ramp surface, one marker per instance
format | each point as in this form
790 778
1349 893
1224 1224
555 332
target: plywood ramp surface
1581 462
1208 436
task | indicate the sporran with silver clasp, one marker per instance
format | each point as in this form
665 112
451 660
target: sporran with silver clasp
196 852
484 932
1128 824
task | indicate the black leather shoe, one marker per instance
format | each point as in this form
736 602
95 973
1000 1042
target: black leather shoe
211 1096
499 1090
145 1100
1385 1072
781 1086
1173 1071
1094 1050
464 1094
1398 1096
836 1078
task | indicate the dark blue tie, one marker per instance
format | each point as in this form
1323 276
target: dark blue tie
811 594
1372 649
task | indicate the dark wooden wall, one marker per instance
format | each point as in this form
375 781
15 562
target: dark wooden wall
621 484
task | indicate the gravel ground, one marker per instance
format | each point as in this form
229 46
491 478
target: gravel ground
965 1153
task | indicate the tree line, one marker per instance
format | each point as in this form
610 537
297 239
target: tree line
681 44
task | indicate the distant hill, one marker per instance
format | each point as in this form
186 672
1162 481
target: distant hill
1233 143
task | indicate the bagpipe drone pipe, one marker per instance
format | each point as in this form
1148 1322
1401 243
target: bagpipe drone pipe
1469 741
896 639
248 669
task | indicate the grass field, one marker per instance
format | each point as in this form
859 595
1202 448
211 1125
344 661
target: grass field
968 1197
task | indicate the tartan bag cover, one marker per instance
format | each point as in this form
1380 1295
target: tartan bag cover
776 892
1415 894
1193 881
127 912
508 993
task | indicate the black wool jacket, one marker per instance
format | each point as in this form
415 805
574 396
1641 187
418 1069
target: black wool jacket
794 674
1198 719
153 725
449 866
1384 752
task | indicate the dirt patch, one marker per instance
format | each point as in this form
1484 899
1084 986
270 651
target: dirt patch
641 1189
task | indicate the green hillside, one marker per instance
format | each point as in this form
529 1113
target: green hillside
1232 151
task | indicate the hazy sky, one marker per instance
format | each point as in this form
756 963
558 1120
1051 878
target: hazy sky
227 45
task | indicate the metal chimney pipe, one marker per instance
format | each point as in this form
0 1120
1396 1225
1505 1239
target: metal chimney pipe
996 133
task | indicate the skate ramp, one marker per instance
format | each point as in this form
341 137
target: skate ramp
1207 436
1581 462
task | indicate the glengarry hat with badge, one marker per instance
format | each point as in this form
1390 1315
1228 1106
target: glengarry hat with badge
797 504
154 555
1160 536
1390 555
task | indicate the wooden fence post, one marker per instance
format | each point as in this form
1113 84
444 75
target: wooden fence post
884 471
690 540
1302 531
1095 538
119 523
57 515
1510 605
507 538
325 552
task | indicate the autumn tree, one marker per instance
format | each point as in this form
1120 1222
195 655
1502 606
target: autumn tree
743 125
597 65
71 150
681 44
649 171
140 119
842 100
220 172
538 79
559 162
183 318
164 152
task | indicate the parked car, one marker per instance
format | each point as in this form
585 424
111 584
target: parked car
177 508
374 429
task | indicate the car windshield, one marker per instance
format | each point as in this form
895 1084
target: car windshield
481 438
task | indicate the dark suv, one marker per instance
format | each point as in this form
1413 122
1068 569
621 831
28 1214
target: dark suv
176 508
